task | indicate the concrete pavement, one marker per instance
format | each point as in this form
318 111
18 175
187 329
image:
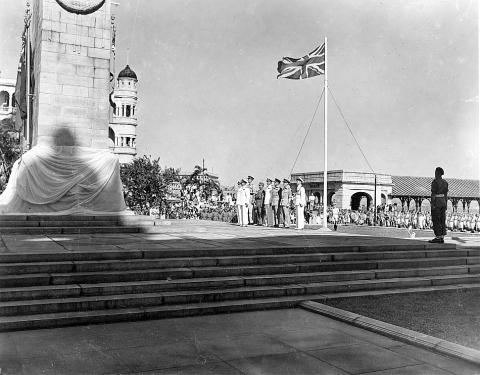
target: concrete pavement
291 341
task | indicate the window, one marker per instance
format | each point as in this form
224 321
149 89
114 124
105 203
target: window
128 111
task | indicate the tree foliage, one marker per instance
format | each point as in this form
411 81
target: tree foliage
143 183
10 150
204 181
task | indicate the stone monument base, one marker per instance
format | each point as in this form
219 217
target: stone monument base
64 180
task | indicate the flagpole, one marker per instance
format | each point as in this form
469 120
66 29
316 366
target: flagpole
325 81
27 47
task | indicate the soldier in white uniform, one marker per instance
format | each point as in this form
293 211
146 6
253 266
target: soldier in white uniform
268 203
251 199
243 197
300 202
237 202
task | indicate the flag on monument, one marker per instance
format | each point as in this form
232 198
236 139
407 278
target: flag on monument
307 66
21 93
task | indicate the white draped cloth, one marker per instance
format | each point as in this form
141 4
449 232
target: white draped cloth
64 180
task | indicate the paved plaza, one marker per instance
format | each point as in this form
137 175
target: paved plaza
290 341
206 234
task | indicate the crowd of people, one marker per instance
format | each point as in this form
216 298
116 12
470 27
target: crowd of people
391 216
276 204
273 204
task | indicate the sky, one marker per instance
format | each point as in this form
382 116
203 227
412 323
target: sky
405 74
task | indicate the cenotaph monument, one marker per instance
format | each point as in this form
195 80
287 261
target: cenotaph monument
69 168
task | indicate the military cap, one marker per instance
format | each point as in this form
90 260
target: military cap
300 179
269 179
251 177
277 180
243 180
286 181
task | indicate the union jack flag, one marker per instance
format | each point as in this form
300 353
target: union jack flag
307 66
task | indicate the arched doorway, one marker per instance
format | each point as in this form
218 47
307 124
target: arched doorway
4 100
111 136
360 201
331 198
383 200
474 207
449 206
425 206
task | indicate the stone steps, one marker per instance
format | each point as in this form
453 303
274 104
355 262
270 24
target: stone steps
69 230
348 280
37 321
151 251
68 304
53 288
127 264
177 275
73 224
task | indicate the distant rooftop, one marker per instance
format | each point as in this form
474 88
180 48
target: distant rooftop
421 186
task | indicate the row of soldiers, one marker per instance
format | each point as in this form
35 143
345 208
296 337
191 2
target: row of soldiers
463 222
270 205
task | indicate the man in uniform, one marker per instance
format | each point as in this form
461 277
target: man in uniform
439 205
238 202
275 201
251 200
243 199
300 202
268 203
260 204
286 197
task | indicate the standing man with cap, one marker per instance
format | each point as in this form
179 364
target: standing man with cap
285 203
300 202
251 200
243 199
275 201
268 204
439 206
260 204
238 203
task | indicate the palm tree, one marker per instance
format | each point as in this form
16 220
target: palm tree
204 181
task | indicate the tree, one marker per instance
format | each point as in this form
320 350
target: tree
10 149
195 178
171 175
204 181
144 186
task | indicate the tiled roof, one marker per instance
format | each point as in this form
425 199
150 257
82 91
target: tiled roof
421 186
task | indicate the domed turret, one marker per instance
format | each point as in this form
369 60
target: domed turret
127 73
124 119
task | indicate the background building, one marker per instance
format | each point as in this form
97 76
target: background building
123 127
7 97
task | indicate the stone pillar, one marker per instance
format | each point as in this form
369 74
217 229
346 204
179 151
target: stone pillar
71 75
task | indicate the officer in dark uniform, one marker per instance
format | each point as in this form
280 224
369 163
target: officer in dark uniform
276 201
439 205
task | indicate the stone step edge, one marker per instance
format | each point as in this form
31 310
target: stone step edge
140 255
69 230
396 332
364 285
193 267
53 320
182 283
469 269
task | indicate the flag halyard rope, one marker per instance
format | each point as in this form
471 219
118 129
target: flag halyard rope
308 130
350 130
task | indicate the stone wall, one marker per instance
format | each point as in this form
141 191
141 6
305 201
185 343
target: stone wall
71 74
